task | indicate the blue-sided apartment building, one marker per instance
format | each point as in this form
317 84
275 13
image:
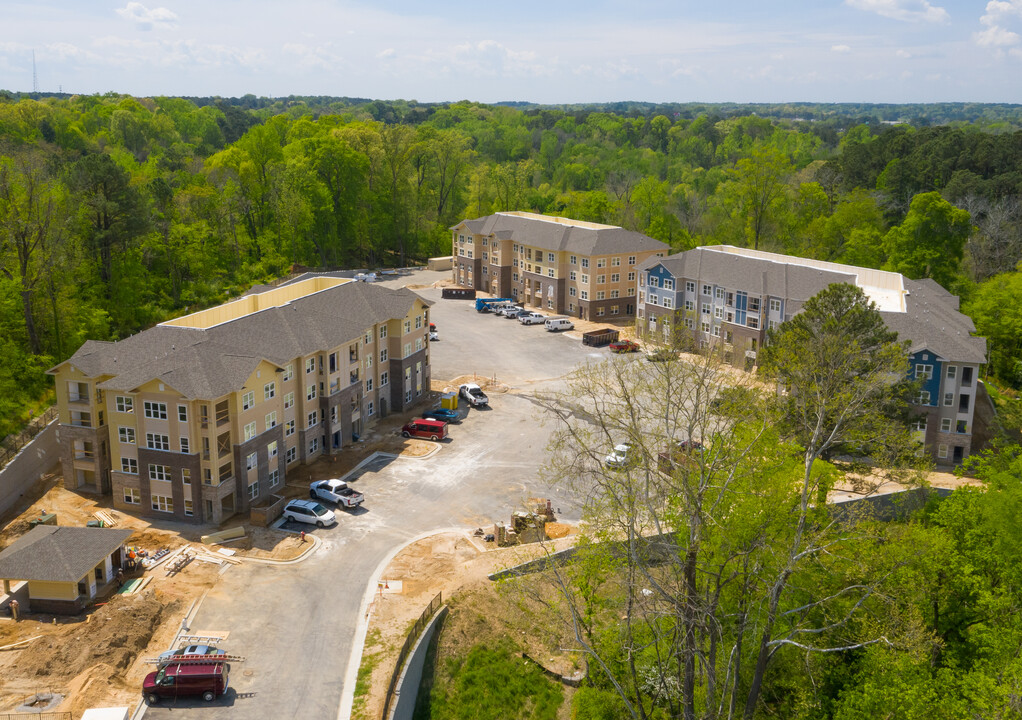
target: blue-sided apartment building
730 295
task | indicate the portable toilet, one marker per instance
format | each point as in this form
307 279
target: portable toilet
449 401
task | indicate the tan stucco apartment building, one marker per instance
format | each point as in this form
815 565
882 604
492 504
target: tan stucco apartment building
573 267
199 417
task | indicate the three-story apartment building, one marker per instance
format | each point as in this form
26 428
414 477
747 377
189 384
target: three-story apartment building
579 268
201 416
733 296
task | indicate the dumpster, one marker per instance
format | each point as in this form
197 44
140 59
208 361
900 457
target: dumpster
458 294
601 337
449 401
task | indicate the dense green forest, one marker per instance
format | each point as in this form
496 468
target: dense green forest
118 212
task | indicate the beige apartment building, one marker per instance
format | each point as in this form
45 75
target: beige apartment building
565 266
200 417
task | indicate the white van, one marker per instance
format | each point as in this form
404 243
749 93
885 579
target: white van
557 324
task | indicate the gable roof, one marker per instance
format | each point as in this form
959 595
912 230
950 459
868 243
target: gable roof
211 362
561 234
920 311
54 553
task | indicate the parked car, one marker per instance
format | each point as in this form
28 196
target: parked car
189 651
514 313
531 318
309 511
474 395
662 355
336 491
509 311
425 428
442 414
623 346
186 679
620 457
678 454
558 324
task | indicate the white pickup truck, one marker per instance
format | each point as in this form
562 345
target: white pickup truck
474 395
336 491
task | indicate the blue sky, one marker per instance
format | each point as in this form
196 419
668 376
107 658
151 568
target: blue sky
547 52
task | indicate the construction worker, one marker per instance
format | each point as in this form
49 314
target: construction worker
14 605
120 577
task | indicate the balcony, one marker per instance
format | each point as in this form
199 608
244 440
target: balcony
78 398
335 386
81 419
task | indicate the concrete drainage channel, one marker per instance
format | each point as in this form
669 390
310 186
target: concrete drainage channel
40 703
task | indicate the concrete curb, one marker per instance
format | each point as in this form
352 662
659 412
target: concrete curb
358 643
316 543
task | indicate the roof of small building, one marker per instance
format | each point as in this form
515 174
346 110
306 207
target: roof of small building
920 311
53 553
562 234
211 362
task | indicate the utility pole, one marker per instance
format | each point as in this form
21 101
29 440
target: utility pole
35 78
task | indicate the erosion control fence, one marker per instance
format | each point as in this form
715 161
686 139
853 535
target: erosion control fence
413 635
36 716
12 444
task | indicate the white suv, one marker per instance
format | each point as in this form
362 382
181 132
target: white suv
309 511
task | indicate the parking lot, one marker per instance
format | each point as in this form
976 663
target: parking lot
296 624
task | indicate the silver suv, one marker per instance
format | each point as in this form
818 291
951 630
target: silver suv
309 511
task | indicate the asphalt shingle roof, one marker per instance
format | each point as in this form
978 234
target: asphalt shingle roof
212 362
53 553
931 319
561 237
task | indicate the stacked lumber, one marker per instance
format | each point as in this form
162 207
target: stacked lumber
106 517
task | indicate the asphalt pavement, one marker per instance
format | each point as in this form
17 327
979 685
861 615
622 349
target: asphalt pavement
296 624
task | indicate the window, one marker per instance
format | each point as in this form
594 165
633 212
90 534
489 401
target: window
572 292
599 312
631 259
185 447
155 410
719 294
383 355
585 295
271 449
716 331
631 277
289 428
706 308
289 400
291 455
269 391
962 426
704 326
369 360
945 425
418 322
162 503
668 302
408 326
271 419
689 305
601 262
585 279
126 434
775 305
186 476
418 344
369 408
253 490
250 431
942 451
289 372
920 425
310 392
754 304
615 309
573 260
753 323
247 400
384 379
369 337
924 372
690 323
310 365
966 377
189 511
408 350
550 257
718 312
251 461
125 404
707 290
668 284
155 441
601 279
654 281
313 446
274 477
617 293
159 472
132 496
550 272
600 294
585 262
690 286
924 398
952 372
949 398
313 419
129 465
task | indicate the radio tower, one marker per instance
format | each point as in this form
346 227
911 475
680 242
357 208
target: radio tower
35 78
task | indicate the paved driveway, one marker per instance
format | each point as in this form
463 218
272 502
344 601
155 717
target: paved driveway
296 624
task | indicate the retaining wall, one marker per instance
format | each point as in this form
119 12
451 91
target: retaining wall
407 690
35 460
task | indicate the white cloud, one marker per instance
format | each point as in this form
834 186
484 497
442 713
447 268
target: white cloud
840 48
146 19
997 13
903 54
907 10
387 53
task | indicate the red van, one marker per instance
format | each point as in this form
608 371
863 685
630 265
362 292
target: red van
427 429
183 679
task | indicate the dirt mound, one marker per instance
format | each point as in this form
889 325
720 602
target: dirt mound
114 635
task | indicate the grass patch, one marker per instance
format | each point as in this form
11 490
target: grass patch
493 682
371 653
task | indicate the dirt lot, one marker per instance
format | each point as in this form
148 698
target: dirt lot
457 566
